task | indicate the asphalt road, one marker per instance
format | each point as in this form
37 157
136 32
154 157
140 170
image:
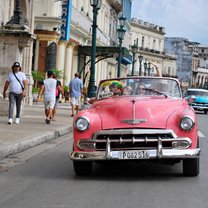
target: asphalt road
44 178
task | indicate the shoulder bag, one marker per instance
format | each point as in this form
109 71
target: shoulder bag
19 82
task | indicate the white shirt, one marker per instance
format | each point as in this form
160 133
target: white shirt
14 85
50 89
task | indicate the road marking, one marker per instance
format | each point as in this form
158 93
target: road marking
200 134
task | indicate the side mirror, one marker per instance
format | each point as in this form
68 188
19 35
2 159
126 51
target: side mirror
91 100
88 103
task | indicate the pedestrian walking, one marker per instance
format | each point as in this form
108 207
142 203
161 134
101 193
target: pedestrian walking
59 91
17 84
76 87
48 87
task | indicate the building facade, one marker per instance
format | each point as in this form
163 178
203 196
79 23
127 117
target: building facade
200 66
37 42
151 49
70 53
16 39
192 61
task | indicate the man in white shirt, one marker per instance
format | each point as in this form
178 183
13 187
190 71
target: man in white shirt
49 89
17 83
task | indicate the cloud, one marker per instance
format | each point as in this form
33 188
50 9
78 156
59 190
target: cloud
181 18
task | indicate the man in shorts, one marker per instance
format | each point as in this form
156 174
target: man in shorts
49 89
76 87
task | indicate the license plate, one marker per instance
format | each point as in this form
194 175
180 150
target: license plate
137 154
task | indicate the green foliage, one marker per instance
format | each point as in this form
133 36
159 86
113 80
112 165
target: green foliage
37 77
66 88
58 73
35 90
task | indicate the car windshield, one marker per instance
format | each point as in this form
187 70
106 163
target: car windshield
196 93
142 86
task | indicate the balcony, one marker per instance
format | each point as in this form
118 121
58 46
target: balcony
151 51
82 26
80 23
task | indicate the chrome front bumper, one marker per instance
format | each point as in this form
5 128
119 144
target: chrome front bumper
134 136
153 154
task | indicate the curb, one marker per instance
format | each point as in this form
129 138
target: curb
32 141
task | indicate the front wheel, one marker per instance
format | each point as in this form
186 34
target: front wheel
82 168
205 111
191 167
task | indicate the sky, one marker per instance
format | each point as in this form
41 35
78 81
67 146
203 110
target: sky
180 18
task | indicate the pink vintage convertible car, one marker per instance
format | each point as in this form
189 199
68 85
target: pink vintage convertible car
136 118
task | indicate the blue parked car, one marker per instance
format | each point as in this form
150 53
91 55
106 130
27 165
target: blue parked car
198 99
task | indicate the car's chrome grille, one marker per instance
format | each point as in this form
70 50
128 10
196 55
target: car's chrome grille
133 139
199 103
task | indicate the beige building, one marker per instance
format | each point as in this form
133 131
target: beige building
200 66
151 49
16 38
35 40
70 57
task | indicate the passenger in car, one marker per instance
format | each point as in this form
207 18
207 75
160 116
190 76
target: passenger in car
116 88
127 90
140 90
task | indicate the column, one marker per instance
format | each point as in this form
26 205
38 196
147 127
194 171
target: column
68 63
97 73
74 63
60 62
27 63
36 54
136 65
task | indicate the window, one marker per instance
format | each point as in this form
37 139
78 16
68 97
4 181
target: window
154 44
142 42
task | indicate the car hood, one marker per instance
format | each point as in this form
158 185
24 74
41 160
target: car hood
136 112
201 99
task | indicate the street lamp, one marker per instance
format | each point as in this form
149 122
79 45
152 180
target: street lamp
91 88
140 64
17 16
148 68
145 68
121 31
134 51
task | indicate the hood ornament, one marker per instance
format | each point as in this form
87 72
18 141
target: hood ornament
134 121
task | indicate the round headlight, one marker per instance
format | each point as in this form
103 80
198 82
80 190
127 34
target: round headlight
187 123
82 124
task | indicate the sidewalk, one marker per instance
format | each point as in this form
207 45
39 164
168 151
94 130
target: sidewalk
32 129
